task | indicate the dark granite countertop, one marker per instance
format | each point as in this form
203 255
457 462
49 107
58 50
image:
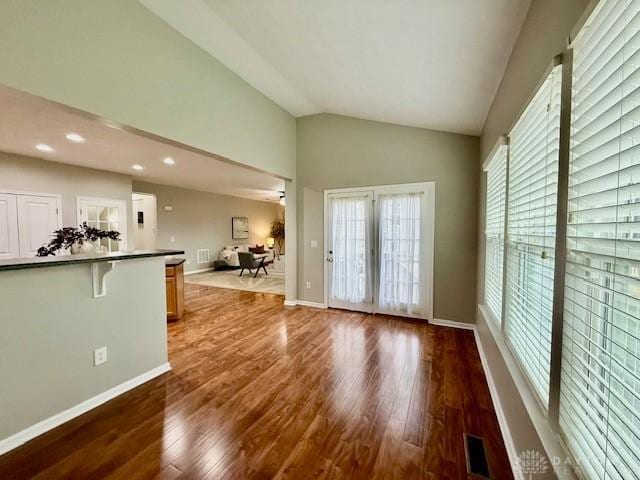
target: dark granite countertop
173 262
55 261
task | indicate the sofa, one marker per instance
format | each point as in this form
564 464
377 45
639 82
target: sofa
229 254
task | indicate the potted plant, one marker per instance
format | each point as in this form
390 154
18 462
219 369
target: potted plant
77 240
277 232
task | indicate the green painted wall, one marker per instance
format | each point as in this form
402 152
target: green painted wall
47 342
116 59
544 34
203 220
339 152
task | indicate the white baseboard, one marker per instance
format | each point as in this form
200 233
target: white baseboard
453 324
551 442
201 270
304 303
52 422
497 406
493 391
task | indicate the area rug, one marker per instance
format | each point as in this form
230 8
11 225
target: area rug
232 279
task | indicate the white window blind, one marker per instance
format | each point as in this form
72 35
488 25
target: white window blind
531 222
600 379
494 230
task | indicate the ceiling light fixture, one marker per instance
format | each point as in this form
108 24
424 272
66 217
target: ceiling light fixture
75 137
137 167
110 124
43 147
169 161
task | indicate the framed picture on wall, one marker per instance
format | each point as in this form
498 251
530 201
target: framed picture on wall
239 228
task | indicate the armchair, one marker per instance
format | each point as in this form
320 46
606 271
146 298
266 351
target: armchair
247 260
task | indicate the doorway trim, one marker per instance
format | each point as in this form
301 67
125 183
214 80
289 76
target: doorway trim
430 189
155 233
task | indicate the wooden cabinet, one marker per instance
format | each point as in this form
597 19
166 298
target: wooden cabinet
174 279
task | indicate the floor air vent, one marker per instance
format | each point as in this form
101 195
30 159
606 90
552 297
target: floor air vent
476 456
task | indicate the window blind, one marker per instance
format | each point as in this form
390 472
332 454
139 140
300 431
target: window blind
494 230
531 222
600 375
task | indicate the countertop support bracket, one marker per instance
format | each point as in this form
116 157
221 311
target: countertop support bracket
99 270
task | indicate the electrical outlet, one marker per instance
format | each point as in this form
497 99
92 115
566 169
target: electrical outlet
99 356
172 239
308 284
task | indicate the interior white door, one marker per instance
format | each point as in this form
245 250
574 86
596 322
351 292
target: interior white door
105 214
349 250
37 220
9 245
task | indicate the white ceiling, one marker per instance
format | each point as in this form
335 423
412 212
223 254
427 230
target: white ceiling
27 121
426 63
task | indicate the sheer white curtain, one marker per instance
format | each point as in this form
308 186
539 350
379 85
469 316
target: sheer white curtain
350 281
400 245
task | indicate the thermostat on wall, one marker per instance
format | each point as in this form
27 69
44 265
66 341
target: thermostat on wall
168 208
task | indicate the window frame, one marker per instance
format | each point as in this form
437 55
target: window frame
543 403
500 152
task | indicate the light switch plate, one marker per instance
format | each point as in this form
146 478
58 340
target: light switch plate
314 244
99 356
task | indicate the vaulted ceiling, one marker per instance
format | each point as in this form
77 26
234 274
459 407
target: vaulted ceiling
427 63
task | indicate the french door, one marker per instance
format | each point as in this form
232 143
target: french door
350 253
379 249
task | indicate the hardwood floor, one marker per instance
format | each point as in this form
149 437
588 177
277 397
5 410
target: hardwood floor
261 391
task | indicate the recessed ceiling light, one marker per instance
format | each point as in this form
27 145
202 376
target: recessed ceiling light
110 124
137 167
169 161
75 137
43 147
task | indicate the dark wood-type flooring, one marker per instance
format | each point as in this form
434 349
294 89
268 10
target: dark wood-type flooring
262 391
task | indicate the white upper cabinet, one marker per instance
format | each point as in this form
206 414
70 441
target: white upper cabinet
9 246
37 220
27 222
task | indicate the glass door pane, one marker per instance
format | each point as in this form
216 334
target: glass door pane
350 251
400 285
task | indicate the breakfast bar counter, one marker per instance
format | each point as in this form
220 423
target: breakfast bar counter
58 260
76 331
